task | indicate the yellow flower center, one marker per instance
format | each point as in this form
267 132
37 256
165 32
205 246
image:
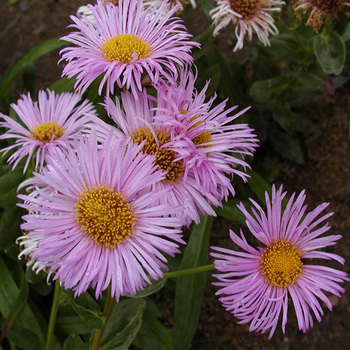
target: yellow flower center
47 132
281 264
248 8
104 215
164 158
121 48
204 137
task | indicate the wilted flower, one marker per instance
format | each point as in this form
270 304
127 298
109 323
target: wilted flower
257 283
179 3
125 42
210 144
248 17
49 124
320 10
92 220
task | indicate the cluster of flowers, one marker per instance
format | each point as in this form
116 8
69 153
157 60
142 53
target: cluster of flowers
109 200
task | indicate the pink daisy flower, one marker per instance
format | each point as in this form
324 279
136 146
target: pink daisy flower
92 220
248 17
124 43
209 142
136 117
257 283
48 124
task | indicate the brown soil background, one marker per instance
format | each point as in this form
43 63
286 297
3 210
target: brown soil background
325 175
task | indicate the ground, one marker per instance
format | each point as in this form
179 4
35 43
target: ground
325 175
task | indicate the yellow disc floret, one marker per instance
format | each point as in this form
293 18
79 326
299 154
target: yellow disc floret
164 158
204 137
122 47
47 132
281 264
104 215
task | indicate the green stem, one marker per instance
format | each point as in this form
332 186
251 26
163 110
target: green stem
110 302
53 316
191 271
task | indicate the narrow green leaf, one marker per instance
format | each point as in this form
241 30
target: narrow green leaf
264 90
9 293
190 289
17 306
330 52
258 185
63 85
74 342
38 51
230 211
153 335
72 325
123 325
153 288
87 308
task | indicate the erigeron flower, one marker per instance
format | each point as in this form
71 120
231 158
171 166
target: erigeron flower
209 141
178 3
248 17
136 118
46 125
321 10
125 43
92 220
257 282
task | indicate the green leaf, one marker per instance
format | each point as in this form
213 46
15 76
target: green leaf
17 306
123 325
284 116
190 289
230 211
330 52
153 288
87 308
74 342
72 325
258 185
153 335
38 51
9 294
264 90
63 85
287 147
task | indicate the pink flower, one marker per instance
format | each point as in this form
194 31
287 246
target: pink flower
137 119
256 283
124 43
92 220
49 124
209 141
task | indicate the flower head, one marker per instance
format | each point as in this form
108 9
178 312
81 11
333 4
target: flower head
210 144
137 119
178 3
248 17
49 124
321 10
92 220
125 42
257 283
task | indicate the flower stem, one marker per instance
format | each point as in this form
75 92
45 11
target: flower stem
53 316
191 271
110 302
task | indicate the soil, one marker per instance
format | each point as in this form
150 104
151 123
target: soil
325 175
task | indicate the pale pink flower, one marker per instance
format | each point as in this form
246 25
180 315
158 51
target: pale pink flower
248 17
211 144
92 220
125 43
46 125
137 119
257 282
